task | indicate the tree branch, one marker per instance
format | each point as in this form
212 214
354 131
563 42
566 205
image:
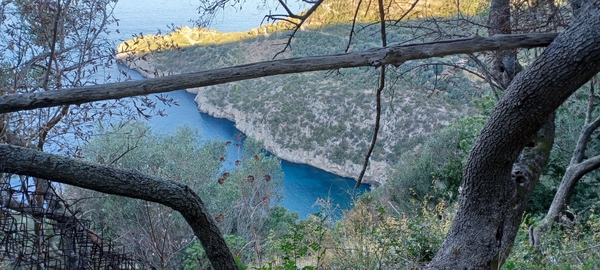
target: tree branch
393 55
378 97
129 183
578 167
302 19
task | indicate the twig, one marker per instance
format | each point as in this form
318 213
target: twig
379 90
580 250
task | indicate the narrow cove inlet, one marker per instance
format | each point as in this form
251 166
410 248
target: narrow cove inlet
303 184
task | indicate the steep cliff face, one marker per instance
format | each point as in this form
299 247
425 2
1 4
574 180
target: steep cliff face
324 119
375 175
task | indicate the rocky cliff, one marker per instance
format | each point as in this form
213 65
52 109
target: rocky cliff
375 174
324 119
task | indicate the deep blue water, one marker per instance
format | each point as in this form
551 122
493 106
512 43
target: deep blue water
303 184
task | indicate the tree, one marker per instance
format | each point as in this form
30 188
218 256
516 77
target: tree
48 46
153 233
241 199
492 201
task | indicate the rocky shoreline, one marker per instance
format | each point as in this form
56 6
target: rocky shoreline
261 133
374 176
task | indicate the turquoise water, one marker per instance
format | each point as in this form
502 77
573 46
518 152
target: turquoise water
303 184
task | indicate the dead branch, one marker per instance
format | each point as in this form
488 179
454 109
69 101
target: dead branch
393 55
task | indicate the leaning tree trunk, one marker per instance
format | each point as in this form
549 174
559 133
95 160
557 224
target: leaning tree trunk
529 166
129 183
490 207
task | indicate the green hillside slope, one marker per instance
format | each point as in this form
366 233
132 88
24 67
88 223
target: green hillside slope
324 119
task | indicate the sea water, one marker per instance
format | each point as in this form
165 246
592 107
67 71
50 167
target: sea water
303 184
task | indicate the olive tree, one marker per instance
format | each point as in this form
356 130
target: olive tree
495 184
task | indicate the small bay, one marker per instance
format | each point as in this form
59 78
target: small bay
303 184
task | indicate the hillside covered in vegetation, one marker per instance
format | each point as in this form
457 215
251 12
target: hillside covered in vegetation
324 119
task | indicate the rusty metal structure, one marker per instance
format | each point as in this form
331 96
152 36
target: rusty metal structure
39 230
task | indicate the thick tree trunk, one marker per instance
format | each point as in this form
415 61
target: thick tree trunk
492 200
491 204
133 184
529 166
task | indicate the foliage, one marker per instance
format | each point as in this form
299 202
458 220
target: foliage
435 169
368 237
570 245
257 182
50 46
243 200
195 257
334 12
42 51
569 123
246 196
154 233
305 239
331 119
330 12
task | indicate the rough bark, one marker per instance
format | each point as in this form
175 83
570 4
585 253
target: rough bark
530 164
504 62
129 183
492 199
393 55
489 207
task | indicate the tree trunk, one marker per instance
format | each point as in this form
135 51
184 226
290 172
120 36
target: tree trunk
492 200
504 62
127 183
491 204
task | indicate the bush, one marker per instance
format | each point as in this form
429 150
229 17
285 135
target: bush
567 246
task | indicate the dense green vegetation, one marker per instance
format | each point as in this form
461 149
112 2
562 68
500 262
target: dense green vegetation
243 200
330 12
331 118
397 226
432 117
326 114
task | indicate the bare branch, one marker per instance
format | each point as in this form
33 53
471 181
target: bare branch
351 35
393 55
414 4
289 12
59 114
298 24
489 77
378 97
